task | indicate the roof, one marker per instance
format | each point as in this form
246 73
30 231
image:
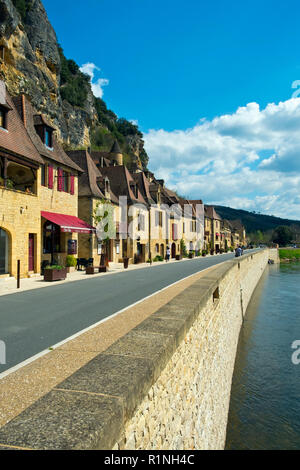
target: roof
121 182
16 139
40 120
100 158
144 186
211 213
115 148
91 182
87 182
29 115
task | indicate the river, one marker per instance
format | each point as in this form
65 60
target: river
265 406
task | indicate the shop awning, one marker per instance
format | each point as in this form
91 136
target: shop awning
68 223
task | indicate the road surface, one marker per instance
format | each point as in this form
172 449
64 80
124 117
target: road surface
32 321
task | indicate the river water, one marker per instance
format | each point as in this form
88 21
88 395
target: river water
265 400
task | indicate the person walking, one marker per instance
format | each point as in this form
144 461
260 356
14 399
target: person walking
168 253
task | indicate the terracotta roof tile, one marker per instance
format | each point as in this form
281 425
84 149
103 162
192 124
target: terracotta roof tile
16 139
57 154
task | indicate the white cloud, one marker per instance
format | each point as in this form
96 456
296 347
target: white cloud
97 85
249 159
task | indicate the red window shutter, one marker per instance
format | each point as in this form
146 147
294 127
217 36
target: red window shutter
50 177
72 186
59 179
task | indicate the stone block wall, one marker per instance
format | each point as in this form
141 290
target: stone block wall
164 385
187 407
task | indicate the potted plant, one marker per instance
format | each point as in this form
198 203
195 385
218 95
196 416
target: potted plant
55 273
71 263
125 262
204 252
191 254
178 257
9 183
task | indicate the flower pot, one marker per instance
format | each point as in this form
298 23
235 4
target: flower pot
178 257
70 269
125 262
55 274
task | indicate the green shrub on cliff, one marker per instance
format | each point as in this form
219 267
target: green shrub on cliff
23 7
73 82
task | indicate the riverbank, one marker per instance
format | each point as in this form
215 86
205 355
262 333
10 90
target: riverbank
289 254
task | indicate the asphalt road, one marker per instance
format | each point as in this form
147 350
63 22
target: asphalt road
32 321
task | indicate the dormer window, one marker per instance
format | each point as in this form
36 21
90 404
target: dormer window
44 129
3 117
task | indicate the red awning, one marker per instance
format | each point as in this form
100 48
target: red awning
68 223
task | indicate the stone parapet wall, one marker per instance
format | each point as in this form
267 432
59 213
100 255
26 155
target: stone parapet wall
164 385
187 407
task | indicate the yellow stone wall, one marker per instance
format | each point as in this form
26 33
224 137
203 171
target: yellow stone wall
20 215
88 243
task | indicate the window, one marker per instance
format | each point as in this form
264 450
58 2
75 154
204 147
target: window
141 222
65 181
158 219
3 118
48 137
43 175
51 238
174 232
193 226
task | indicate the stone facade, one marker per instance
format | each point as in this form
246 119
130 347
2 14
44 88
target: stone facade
20 215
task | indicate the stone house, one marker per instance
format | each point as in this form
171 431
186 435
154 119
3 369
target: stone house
133 217
38 196
93 189
212 229
226 236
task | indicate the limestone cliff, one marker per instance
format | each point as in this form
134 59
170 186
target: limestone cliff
32 62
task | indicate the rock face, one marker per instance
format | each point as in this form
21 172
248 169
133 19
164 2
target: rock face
30 63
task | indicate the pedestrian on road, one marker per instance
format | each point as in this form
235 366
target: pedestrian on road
168 253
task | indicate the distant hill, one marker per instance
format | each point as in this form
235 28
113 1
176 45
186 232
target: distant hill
253 221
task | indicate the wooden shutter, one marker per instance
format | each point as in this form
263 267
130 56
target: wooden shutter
59 179
72 185
50 177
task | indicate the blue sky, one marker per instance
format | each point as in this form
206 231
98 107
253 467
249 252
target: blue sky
187 71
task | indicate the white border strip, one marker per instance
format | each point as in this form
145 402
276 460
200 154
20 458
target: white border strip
47 351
